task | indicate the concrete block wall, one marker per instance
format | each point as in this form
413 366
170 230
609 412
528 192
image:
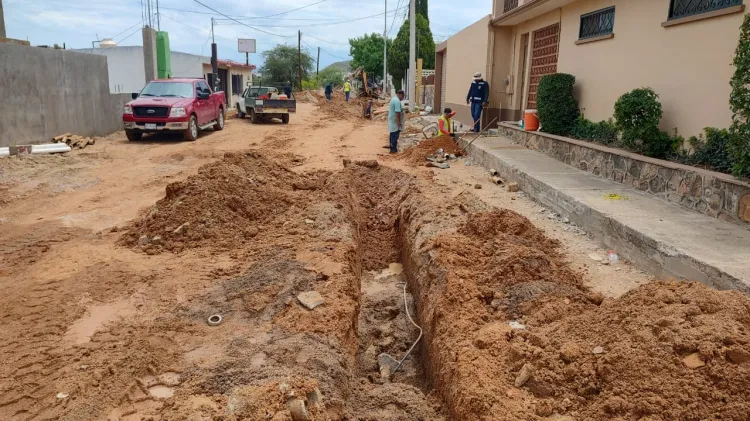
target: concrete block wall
48 92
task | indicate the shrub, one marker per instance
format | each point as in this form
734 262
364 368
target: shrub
602 132
652 142
558 108
739 101
638 112
711 151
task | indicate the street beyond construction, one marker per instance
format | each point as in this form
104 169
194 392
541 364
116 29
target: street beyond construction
267 271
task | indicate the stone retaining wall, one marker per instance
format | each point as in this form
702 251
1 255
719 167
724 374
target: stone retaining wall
715 194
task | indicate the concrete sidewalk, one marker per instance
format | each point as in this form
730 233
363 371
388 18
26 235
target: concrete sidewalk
664 239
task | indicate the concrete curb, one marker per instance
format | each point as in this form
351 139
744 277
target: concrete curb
661 259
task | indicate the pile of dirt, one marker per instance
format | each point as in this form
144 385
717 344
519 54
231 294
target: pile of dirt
307 97
227 203
417 155
525 339
338 108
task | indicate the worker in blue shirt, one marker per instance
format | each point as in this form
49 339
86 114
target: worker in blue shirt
478 97
288 89
329 91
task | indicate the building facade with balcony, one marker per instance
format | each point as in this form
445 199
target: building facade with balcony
683 49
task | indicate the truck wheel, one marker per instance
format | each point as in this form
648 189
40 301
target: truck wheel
191 134
253 117
133 135
285 118
219 121
240 114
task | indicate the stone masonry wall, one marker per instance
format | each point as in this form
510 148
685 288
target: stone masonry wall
714 194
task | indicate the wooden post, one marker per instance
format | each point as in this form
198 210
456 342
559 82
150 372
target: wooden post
419 82
317 63
299 56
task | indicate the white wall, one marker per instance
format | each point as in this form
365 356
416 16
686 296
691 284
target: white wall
126 68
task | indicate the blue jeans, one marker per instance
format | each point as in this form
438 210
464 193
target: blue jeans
476 114
394 141
347 95
328 96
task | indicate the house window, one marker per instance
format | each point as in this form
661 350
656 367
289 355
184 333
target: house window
596 24
236 84
509 5
210 79
684 8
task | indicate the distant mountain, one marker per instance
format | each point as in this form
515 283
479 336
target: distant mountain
344 66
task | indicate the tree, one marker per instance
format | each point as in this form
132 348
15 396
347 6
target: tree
367 52
331 75
281 65
739 102
421 7
398 55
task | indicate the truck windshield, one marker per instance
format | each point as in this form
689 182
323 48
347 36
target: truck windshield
168 89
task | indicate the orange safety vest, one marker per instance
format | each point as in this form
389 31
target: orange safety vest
445 124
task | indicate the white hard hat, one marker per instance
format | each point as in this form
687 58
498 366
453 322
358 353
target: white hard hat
477 74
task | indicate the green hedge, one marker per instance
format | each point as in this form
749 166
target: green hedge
557 107
739 101
602 132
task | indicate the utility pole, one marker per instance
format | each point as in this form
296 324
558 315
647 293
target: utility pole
412 53
158 16
214 59
150 24
385 49
299 57
317 63
2 21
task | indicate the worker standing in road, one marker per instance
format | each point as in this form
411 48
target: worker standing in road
478 97
329 90
347 89
445 123
288 89
396 119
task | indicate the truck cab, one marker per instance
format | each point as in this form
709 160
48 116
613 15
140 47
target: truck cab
175 105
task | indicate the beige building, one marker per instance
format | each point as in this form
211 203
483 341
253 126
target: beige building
683 49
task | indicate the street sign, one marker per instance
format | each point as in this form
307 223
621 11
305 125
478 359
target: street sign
246 46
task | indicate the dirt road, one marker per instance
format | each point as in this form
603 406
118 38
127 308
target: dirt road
114 257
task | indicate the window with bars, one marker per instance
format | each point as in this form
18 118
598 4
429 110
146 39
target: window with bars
684 8
237 84
509 5
596 24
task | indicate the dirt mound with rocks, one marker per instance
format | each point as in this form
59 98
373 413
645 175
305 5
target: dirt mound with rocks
227 203
338 108
513 333
417 155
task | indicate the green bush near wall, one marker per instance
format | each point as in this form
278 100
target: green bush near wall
739 101
602 132
557 107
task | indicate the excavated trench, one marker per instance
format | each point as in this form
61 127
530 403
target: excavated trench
508 327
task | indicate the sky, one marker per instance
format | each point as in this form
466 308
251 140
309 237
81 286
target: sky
327 24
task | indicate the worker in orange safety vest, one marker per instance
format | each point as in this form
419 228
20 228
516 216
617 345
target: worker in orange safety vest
445 123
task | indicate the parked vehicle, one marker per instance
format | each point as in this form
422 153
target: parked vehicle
175 105
265 102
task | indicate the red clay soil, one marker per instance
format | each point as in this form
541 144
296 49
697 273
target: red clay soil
497 267
338 108
417 155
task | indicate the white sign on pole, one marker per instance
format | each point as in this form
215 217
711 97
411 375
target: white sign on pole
246 46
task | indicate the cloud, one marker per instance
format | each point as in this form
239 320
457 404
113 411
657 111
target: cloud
327 25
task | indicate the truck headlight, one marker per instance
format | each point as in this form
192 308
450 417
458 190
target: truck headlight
177 112
127 110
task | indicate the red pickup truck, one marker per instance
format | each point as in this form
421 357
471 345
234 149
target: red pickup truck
178 105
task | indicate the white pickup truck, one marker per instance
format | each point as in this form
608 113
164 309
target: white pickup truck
265 102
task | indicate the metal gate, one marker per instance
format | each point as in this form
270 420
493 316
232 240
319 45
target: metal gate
544 55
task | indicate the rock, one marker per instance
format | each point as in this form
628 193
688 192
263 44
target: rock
144 240
387 365
182 229
310 299
513 198
570 352
298 410
347 162
309 221
516 325
315 397
693 361
524 375
605 262
597 350
62 395
513 187
738 356
251 232
370 163
595 257
157 240
496 303
566 220
478 186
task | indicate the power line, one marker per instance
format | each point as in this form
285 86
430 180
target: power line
136 24
330 42
246 17
113 46
342 21
394 17
244 24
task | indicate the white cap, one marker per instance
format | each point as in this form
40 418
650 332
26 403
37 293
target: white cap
477 74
